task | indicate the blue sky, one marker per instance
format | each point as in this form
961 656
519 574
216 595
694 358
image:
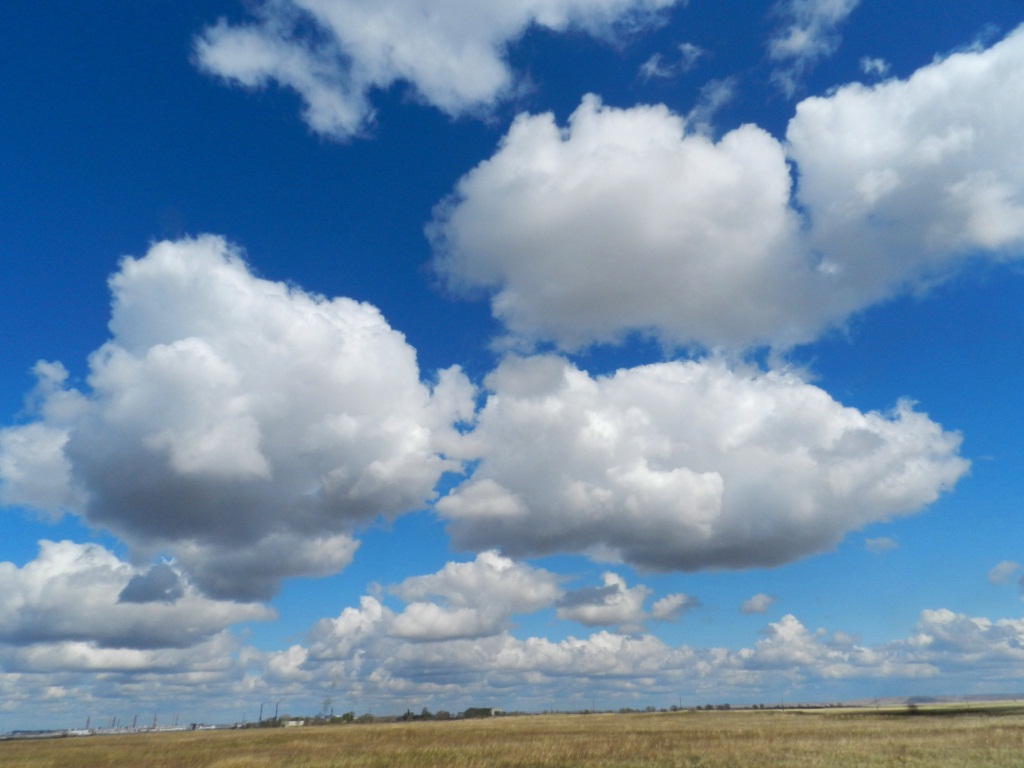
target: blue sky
532 354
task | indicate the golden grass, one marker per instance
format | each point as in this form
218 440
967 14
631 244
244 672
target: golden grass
981 738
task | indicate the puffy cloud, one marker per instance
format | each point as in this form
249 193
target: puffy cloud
809 32
633 220
671 607
462 600
627 667
759 603
476 599
612 604
33 468
336 53
624 221
341 637
1003 572
357 656
81 596
489 581
685 465
72 656
907 179
241 425
944 636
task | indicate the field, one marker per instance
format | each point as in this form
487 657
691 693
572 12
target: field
979 737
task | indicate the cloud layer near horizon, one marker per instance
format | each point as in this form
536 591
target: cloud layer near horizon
385 657
626 220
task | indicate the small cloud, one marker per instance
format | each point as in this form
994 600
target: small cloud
759 603
1003 572
654 68
689 55
881 545
713 96
612 604
671 607
657 67
874 66
808 33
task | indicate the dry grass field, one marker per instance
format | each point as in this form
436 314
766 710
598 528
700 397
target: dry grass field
991 737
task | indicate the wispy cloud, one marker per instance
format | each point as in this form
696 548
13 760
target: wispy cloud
1003 572
809 32
453 60
665 67
881 545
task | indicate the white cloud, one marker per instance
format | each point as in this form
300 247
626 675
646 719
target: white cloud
477 599
656 67
612 604
461 601
759 603
713 96
881 545
809 32
685 465
625 667
945 635
671 607
489 581
689 55
874 66
83 594
624 221
631 220
336 53
923 173
241 425
1003 572
74 656
358 657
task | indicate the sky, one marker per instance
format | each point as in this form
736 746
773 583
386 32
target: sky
542 354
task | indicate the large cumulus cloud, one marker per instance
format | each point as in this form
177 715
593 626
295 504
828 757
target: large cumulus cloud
631 220
239 424
906 179
624 221
686 465
451 54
